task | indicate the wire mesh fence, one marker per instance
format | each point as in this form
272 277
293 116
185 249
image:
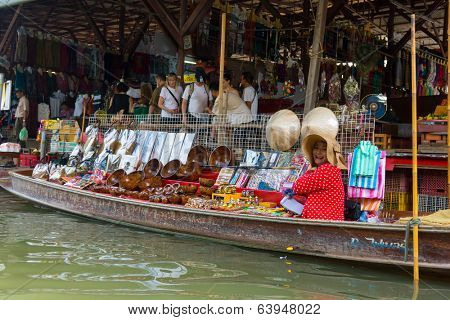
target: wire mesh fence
429 203
239 133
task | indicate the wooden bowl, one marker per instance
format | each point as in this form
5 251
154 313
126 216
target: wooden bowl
189 188
189 172
198 154
152 168
208 183
131 181
204 191
114 178
220 157
170 169
152 182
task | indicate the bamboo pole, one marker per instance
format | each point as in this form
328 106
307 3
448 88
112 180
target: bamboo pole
448 102
84 117
414 145
222 62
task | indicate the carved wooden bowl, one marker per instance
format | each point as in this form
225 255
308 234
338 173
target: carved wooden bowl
170 169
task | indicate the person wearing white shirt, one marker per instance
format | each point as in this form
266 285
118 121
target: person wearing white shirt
250 96
170 98
197 99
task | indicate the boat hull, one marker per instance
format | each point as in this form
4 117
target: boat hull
371 243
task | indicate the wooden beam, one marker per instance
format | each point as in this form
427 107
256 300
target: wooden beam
136 39
335 9
304 45
444 37
314 66
436 4
182 21
10 31
422 28
122 27
164 19
92 23
49 13
390 60
200 11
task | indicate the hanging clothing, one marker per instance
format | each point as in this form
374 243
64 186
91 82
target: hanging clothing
367 182
43 112
364 159
31 50
40 50
63 57
20 81
78 106
31 87
48 52
41 85
363 193
21 46
55 105
62 82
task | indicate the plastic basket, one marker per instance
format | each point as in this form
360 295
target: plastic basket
397 201
429 203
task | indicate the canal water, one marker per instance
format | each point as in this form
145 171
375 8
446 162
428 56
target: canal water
45 254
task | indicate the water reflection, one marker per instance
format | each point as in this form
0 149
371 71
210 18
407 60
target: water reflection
49 255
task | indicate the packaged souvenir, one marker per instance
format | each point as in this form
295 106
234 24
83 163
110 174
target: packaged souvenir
225 176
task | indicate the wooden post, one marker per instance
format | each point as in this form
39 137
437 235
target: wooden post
222 106
10 31
448 101
180 66
314 66
304 44
414 145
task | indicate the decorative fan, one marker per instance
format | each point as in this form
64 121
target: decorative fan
375 104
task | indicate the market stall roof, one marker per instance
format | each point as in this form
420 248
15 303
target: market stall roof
114 23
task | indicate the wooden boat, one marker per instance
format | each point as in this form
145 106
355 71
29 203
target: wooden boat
359 242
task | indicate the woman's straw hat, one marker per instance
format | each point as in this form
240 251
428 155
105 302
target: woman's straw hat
283 130
334 155
321 119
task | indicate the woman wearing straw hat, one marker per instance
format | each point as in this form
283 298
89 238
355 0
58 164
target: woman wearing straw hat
322 184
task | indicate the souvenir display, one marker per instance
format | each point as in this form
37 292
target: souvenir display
351 93
334 89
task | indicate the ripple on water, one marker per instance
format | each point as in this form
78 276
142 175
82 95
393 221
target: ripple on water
69 257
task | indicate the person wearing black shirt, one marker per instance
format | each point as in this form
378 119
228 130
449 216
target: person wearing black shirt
120 100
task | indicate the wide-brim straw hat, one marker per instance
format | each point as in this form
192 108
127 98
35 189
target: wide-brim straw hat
320 119
283 130
334 155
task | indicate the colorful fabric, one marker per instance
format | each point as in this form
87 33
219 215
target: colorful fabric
324 190
378 193
364 159
367 182
369 204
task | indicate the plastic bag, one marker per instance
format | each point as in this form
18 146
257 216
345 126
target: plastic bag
23 134
40 171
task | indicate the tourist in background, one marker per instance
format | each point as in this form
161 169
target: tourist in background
170 99
22 111
160 83
227 86
197 98
120 102
249 94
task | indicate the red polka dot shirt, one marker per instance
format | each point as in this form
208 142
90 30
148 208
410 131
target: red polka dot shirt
324 191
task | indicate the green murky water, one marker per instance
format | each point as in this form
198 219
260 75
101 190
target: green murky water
45 254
